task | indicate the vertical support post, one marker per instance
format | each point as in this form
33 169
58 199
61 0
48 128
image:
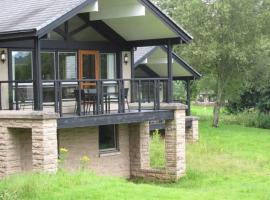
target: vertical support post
37 81
170 75
188 97
10 78
140 95
16 96
119 64
132 74
175 144
44 145
139 139
56 83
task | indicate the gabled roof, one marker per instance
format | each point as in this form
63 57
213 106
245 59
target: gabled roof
32 16
29 18
143 53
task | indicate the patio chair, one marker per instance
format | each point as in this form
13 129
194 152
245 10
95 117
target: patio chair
87 100
24 99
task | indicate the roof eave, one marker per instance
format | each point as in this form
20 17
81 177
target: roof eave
20 34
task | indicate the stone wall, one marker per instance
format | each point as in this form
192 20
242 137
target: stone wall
28 142
84 141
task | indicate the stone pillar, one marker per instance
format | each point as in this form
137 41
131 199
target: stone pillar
44 146
192 129
14 125
175 144
139 139
9 153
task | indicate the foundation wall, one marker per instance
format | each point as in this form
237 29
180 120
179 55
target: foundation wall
84 142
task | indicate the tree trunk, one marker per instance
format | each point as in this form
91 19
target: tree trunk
219 101
216 113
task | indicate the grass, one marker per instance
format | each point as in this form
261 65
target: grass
231 162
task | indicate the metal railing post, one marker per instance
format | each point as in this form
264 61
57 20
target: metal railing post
16 96
140 99
60 99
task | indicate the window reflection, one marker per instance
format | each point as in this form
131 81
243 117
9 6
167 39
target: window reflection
22 65
67 66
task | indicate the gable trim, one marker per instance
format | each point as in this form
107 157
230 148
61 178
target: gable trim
43 31
184 64
167 20
136 64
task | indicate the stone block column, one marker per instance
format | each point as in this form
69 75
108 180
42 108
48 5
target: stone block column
192 129
16 127
9 153
139 139
44 146
175 143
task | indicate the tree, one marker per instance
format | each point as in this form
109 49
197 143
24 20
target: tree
227 41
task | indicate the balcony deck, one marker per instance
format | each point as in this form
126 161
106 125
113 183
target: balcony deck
82 109
132 116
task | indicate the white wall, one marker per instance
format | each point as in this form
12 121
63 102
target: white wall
127 70
4 77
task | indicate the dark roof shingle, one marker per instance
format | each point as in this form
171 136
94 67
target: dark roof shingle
22 15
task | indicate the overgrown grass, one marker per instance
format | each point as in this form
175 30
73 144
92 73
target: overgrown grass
229 163
250 118
157 151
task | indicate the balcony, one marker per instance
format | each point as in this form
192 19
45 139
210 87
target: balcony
91 102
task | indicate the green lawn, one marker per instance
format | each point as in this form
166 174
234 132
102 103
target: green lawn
231 162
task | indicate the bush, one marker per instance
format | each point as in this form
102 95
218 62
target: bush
251 118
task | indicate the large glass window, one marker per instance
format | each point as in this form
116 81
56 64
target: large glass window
108 71
108 66
22 65
67 66
108 140
47 64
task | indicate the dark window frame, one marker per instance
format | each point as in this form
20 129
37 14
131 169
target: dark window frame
116 140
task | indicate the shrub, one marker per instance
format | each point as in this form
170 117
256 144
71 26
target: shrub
251 118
